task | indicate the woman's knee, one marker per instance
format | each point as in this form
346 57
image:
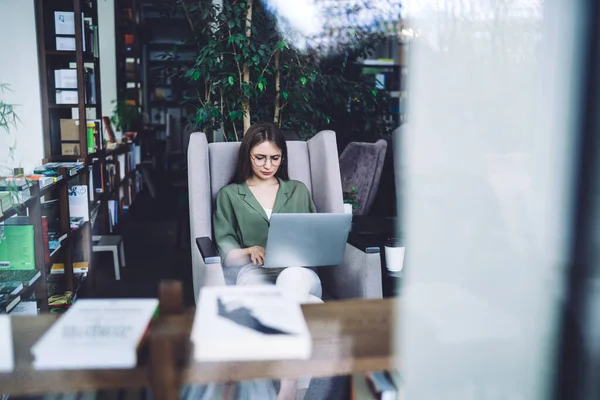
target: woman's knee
300 278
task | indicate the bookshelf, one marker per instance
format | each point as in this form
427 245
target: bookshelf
76 130
169 44
70 78
129 50
35 280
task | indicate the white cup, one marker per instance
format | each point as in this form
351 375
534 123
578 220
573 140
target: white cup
394 257
347 208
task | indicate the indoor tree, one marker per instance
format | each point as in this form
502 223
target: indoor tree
246 70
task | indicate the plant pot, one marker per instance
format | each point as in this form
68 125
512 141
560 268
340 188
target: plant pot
347 208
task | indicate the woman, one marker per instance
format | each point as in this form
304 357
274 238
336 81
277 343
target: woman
260 187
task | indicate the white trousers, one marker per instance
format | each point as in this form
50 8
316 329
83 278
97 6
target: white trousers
302 284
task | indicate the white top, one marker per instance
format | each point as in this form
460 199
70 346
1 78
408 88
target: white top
268 211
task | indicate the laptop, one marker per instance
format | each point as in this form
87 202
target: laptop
307 239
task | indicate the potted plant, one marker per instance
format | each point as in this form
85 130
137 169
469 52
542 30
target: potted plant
10 189
351 200
125 117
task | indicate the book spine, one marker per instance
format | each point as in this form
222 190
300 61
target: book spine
46 239
91 132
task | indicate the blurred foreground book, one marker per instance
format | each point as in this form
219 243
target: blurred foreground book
97 334
242 323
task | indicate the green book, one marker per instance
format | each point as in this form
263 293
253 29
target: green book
17 247
8 303
28 277
91 140
11 287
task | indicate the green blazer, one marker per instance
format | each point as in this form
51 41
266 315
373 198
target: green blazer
240 221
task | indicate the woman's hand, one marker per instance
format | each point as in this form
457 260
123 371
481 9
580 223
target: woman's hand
257 254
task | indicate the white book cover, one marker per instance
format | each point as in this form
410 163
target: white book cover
64 22
96 334
242 323
65 43
7 360
79 202
65 79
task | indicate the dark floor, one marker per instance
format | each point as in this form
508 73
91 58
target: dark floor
150 233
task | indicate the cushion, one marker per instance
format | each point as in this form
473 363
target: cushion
223 158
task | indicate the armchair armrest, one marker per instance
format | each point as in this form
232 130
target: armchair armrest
209 252
359 277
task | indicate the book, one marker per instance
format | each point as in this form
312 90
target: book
46 239
75 223
79 203
17 247
381 386
64 22
11 287
7 360
25 308
385 385
78 268
28 277
97 334
8 302
241 323
360 389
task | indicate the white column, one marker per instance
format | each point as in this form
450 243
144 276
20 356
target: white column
488 158
19 68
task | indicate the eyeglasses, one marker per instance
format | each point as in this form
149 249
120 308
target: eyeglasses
261 161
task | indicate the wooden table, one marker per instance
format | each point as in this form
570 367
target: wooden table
26 380
348 337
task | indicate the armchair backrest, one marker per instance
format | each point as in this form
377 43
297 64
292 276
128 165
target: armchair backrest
361 165
211 166
223 158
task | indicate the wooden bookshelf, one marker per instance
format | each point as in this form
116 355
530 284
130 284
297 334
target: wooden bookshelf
129 44
85 62
348 337
32 208
82 56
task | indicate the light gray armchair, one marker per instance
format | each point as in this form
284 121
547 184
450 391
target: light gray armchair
315 163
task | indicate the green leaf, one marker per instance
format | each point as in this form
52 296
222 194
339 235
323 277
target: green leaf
303 80
374 92
231 24
261 87
231 80
285 95
282 45
196 75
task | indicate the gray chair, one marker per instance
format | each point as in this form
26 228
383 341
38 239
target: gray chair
315 163
361 165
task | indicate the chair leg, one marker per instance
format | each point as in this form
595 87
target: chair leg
116 262
122 254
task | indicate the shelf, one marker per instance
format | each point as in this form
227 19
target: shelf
87 57
75 105
14 210
28 289
52 186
